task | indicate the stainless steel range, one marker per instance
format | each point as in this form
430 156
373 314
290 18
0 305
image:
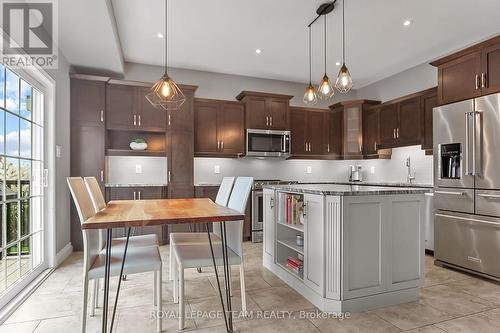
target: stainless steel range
467 185
258 206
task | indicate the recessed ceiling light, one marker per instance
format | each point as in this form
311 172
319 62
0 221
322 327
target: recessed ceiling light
159 35
258 51
337 63
407 23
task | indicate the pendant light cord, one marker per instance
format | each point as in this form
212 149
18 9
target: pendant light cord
343 31
310 56
166 34
325 42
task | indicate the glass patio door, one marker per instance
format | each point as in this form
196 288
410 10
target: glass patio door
21 181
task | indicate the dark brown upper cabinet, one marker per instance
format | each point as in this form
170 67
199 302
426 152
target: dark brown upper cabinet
219 128
428 102
265 111
309 133
469 73
333 129
371 129
128 108
352 115
388 124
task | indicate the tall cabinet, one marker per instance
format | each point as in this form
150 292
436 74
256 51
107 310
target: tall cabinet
87 136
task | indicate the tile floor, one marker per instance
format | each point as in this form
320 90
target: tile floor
450 302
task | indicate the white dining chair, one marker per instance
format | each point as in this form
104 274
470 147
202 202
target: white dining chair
222 199
138 260
200 255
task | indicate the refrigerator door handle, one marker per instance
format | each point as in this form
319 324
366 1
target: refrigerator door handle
477 137
467 144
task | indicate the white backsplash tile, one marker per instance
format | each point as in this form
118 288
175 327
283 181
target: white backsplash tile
136 170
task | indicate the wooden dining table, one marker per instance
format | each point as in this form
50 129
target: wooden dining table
138 213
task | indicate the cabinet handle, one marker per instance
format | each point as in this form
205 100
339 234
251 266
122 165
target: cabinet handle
304 210
139 194
169 176
375 146
483 80
271 203
169 120
267 120
139 120
135 196
102 116
135 120
328 147
477 82
397 133
222 144
271 117
102 176
306 146
218 144
394 133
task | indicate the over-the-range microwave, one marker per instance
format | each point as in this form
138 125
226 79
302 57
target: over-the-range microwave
267 143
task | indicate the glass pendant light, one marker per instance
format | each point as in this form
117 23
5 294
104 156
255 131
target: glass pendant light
165 93
344 79
310 96
325 89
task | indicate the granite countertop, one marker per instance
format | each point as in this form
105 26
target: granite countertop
134 185
344 190
384 184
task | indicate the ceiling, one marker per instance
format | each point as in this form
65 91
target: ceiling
222 35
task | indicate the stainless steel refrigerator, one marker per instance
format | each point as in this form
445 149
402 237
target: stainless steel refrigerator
467 185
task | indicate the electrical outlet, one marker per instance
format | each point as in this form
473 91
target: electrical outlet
309 169
216 169
372 170
58 151
138 168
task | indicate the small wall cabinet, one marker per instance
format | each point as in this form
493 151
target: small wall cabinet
469 73
265 111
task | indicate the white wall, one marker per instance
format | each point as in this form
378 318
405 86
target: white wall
62 130
393 170
412 80
226 86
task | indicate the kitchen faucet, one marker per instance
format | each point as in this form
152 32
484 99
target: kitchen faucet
409 177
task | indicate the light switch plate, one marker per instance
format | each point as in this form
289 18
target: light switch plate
58 151
309 169
138 168
216 169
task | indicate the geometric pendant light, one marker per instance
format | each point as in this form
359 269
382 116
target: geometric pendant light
310 96
344 79
325 89
165 93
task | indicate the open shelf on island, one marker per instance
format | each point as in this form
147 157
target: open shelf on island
299 275
291 244
297 227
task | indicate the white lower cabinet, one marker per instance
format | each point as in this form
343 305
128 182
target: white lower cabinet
314 240
269 222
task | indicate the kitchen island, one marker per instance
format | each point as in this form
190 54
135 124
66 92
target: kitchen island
346 247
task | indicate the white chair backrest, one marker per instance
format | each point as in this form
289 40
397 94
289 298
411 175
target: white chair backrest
99 203
223 197
85 209
224 191
95 193
238 201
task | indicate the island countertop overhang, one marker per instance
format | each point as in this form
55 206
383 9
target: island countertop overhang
347 190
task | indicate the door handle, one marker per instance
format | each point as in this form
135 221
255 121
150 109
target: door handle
102 116
135 120
169 123
477 82
139 120
450 193
102 176
483 80
135 195
491 196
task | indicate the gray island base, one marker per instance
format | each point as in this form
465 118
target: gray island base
346 248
